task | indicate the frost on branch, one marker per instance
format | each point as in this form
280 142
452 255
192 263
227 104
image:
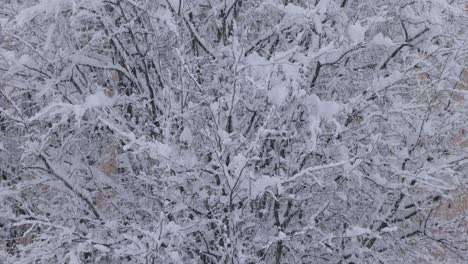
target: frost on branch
261 131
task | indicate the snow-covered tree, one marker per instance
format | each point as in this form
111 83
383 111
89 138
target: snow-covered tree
240 131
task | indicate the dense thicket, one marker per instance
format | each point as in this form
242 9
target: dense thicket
240 131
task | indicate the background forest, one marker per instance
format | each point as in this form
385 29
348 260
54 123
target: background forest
233 131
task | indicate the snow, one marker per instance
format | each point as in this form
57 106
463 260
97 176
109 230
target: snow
73 258
155 148
175 4
334 157
294 10
186 135
48 41
172 227
389 229
166 15
258 67
174 254
237 165
8 55
342 196
318 24
356 33
278 93
321 110
224 136
380 39
357 231
98 99
93 62
317 168
101 248
3 22
326 109
282 235
386 81
49 7
263 183
322 6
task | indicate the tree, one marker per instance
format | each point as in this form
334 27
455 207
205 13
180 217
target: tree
233 131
